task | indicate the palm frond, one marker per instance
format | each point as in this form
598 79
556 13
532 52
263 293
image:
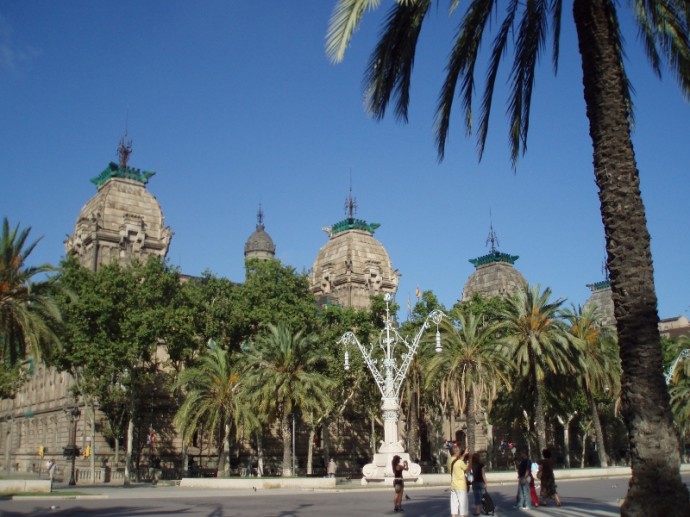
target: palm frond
344 21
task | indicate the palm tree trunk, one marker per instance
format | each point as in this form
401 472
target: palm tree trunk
413 426
540 418
596 422
226 452
656 487
471 420
310 451
287 444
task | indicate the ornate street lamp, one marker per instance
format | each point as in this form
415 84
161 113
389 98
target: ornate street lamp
389 375
72 451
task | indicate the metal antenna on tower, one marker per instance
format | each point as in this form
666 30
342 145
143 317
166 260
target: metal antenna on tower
124 148
493 238
260 217
350 204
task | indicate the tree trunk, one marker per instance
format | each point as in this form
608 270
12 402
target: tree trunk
656 487
596 422
539 416
260 454
287 445
226 452
310 451
471 420
128 452
413 428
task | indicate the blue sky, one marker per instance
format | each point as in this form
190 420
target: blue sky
235 104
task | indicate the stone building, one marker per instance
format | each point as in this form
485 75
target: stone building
121 222
601 297
352 266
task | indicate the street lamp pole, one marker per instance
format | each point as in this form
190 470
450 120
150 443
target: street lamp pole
71 449
389 376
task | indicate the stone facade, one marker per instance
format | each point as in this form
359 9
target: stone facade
122 222
603 299
352 266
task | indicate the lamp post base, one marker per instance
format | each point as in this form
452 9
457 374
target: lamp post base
380 471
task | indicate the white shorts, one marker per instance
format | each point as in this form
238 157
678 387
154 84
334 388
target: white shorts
458 502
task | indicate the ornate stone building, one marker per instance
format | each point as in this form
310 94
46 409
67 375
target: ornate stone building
352 266
122 222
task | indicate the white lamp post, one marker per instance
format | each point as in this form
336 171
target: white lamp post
389 374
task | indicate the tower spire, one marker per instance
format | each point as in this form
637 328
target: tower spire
260 218
350 204
492 239
124 149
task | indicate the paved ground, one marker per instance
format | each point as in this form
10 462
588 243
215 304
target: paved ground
591 497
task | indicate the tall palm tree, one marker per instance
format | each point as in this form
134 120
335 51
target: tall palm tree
599 363
212 399
538 343
283 375
663 28
28 309
470 369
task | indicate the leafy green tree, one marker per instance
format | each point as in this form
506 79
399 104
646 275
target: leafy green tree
213 399
471 367
538 343
600 364
271 294
523 28
28 312
113 333
283 376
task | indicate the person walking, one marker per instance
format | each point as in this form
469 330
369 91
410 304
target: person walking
523 472
479 482
52 468
398 483
332 467
458 465
548 479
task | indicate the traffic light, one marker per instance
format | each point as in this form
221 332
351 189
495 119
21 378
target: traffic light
87 451
41 451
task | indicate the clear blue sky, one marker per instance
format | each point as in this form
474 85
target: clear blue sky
235 104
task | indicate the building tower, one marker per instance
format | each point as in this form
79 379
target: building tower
603 298
123 221
352 266
259 245
494 273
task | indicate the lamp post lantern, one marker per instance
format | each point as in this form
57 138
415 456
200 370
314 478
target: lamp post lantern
389 374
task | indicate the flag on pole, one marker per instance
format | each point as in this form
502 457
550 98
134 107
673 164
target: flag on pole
409 304
418 293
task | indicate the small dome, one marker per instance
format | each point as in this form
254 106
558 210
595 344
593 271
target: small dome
259 245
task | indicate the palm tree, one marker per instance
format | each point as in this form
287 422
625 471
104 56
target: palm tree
663 28
538 343
28 309
470 369
283 376
599 362
211 399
